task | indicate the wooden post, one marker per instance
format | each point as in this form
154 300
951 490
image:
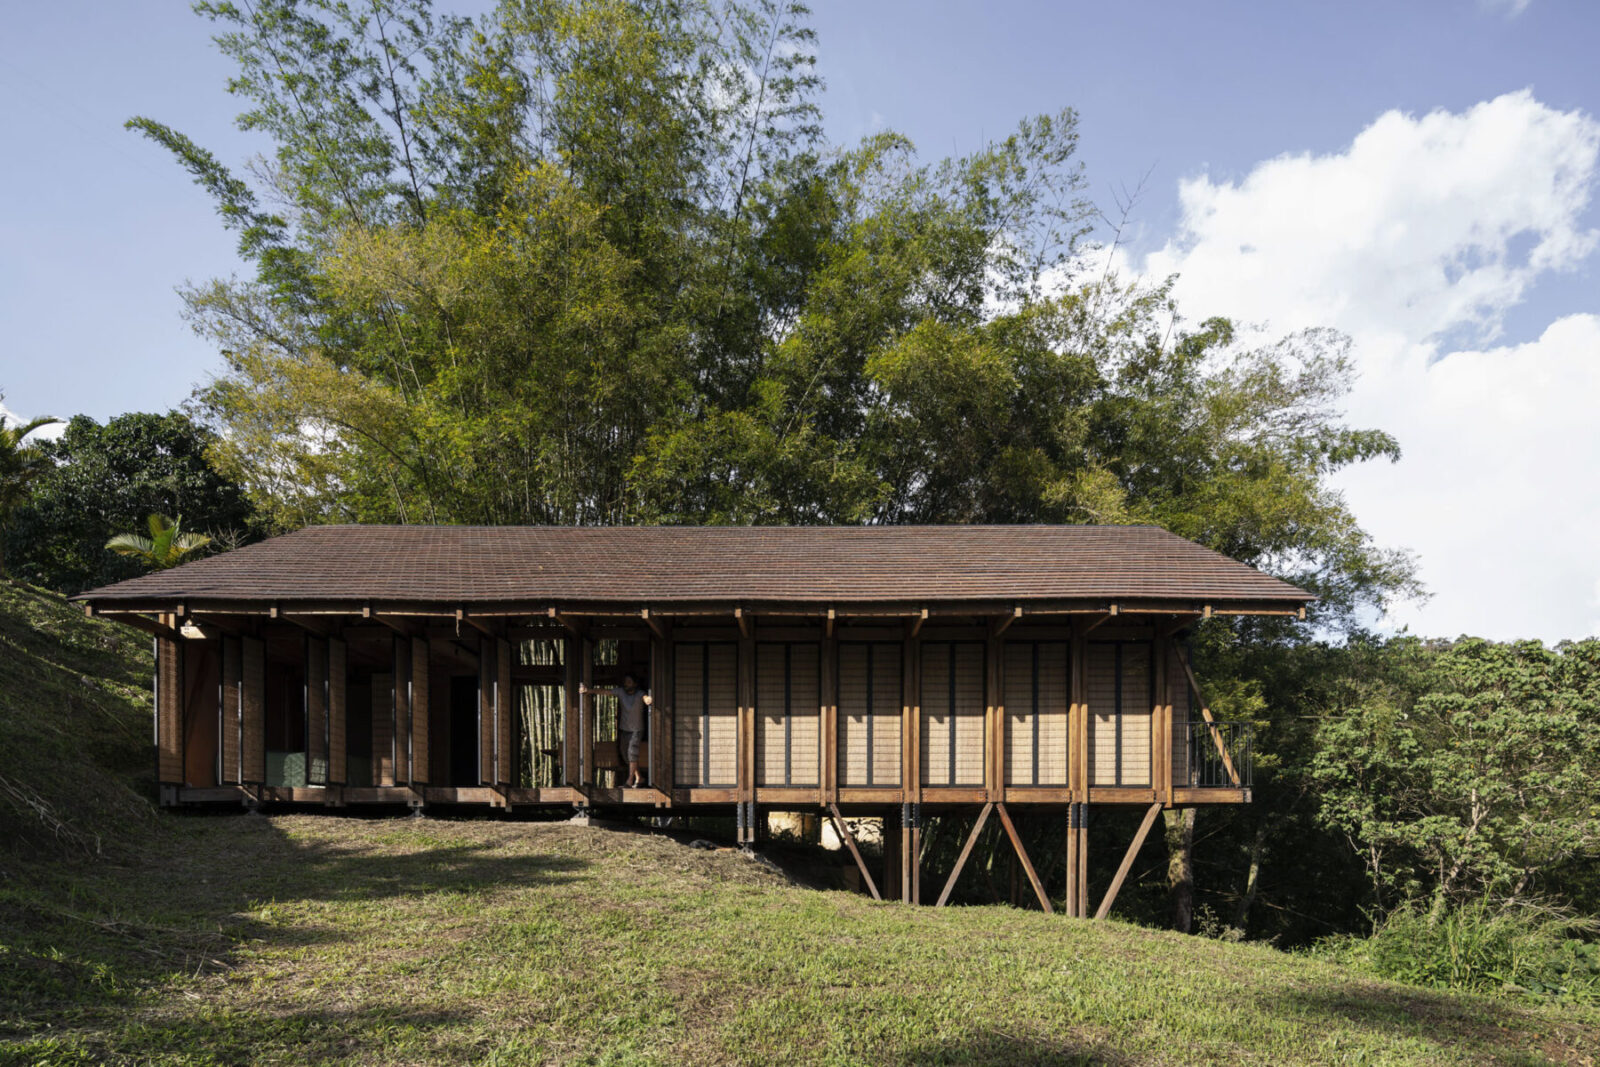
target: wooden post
966 850
994 718
487 675
1127 861
421 694
914 848
571 715
893 858
746 737
1072 860
1022 857
253 703
505 708
586 713
1160 722
660 735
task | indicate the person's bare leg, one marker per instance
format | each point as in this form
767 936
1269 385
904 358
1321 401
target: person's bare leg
633 774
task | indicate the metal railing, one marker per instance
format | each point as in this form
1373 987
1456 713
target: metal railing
1216 755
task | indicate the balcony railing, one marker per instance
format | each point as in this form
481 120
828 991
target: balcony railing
1216 755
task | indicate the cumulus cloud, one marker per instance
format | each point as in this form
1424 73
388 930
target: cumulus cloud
1417 239
11 418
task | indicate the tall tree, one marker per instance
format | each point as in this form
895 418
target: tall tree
22 463
102 479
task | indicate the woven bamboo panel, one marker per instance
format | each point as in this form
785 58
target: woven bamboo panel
338 712
1179 696
169 710
869 713
316 711
421 698
253 715
231 667
1119 712
706 703
383 712
953 713
1036 696
788 714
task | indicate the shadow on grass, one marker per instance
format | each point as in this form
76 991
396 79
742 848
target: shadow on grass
1486 1030
237 1037
80 940
992 1047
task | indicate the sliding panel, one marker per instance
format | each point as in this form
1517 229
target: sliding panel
789 714
1037 747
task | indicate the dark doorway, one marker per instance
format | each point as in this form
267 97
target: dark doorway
463 731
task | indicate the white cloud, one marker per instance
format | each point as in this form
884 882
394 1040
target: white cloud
1511 8
50 432
1423 230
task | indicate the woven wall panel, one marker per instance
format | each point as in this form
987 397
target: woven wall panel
706 703
788 714
1036 696
231 687
1119 713
383 729
169 710
869 713
953 713
253 716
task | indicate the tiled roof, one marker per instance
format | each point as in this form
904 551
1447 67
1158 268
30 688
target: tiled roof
749 564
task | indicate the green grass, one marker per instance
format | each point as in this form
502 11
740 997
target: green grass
201 939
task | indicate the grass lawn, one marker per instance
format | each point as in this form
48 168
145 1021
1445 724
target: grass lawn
314 938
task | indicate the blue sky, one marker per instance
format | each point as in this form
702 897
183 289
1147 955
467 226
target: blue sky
1420 175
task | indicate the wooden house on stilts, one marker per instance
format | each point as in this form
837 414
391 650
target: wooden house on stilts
887 671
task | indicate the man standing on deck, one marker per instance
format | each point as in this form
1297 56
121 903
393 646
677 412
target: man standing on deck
631 702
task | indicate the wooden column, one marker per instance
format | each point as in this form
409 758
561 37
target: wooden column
1078 771
338 712
1161 719
830 718
660 735
571 715
746 738
316 670
994 718
893 846
505 710
401 689
487 676
421 698
586 713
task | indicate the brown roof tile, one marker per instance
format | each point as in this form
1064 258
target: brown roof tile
662 565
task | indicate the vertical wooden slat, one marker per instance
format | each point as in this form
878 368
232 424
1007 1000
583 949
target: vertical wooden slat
745 742
401 692
915 741
571 718
231 674
253 718
338 713
316 652
169 710
421 697
487 676
505 710
994 719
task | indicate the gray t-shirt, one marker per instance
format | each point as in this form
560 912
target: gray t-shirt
630 708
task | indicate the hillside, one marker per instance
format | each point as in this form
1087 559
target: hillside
201 939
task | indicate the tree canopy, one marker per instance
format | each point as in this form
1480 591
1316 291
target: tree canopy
592 261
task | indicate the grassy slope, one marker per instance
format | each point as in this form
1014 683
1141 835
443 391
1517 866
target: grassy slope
235 938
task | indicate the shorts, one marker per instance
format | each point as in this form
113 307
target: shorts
629 743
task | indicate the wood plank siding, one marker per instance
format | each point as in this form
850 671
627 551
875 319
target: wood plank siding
706 703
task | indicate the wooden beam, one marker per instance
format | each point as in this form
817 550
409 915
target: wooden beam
966 850
315 628
1101 621
744 623
850 842
828 629
1127 861
1022 856
148 625
398 627
916 624
482 627
571 627
1205 712
1001 625
654 624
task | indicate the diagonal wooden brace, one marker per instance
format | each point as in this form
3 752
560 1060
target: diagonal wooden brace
1022 855
849 840
966 850
1127 861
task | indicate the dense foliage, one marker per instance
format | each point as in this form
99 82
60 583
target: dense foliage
591 261
101 480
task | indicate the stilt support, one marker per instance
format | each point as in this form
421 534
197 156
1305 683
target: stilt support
966 850
1127 861
1022 857
849 840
